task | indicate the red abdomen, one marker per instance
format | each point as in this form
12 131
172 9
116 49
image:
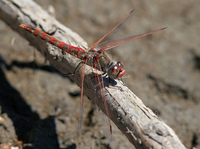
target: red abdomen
75 51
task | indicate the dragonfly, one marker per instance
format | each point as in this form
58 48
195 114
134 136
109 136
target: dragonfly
95 56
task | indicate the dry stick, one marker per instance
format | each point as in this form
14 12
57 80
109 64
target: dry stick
138 123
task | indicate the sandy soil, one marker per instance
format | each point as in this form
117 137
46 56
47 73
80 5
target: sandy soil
40 107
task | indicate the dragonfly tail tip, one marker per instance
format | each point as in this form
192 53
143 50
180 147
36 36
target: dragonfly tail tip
133 11
22 25
163 28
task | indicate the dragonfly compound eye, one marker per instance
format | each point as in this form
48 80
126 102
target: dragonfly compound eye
120 66
119 72
115 70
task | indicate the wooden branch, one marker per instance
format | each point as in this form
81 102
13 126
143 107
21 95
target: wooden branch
138 123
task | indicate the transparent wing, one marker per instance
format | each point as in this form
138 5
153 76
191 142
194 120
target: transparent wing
118 42
81 100
107 38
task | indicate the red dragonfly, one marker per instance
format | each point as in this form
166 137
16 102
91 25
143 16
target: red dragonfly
96 56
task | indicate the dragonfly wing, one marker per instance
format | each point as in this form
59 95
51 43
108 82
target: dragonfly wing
81 100
109 36
124 40
99 79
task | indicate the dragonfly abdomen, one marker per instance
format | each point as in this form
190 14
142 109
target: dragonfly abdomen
75 51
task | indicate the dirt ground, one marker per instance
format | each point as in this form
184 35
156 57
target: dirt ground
162 69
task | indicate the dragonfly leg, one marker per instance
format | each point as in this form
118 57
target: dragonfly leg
122 81
110 83
77 67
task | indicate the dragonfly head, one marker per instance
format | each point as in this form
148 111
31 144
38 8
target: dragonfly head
116 70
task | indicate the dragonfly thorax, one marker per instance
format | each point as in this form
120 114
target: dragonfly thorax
101 61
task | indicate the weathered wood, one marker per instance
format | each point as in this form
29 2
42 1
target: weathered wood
138 123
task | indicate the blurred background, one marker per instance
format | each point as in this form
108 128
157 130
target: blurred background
162 69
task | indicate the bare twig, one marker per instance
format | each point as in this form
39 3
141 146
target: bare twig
140 125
